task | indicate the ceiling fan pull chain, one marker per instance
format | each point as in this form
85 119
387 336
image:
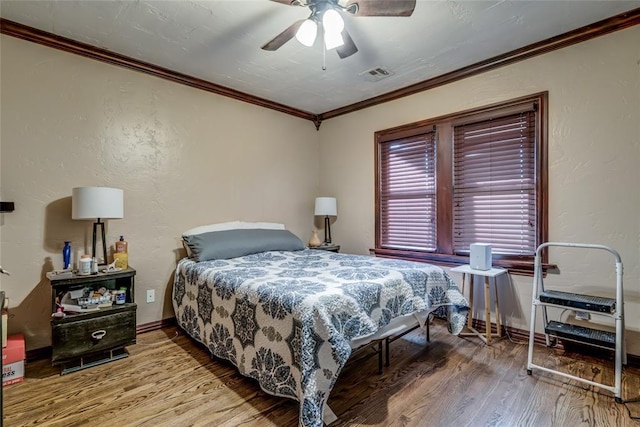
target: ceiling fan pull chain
324 55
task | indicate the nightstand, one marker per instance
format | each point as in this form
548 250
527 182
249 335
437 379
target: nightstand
330 248
89 338
492 273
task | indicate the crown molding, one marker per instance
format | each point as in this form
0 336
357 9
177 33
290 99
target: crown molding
579 35
65 44
600 28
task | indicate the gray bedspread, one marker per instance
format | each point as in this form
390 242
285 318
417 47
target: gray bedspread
286 318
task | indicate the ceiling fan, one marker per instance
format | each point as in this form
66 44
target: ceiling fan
327 15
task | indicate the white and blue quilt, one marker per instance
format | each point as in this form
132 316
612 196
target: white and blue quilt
286 318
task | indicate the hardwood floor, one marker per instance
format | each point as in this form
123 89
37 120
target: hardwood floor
169 380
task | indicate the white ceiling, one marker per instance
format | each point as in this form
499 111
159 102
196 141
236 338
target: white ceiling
219 41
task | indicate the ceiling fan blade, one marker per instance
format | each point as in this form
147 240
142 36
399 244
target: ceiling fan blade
283 37
381 7
348 48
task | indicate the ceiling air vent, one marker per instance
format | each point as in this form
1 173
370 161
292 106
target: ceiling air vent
376 74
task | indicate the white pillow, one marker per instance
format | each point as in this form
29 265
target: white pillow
233 225
224 226
221 226
262 225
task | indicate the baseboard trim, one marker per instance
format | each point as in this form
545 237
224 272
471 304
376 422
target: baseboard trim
41 353
515 334
520 335
154 326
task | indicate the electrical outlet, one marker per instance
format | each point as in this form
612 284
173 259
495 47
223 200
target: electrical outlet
582 315
151 295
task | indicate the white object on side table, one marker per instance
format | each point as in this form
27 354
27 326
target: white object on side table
493 272
480 256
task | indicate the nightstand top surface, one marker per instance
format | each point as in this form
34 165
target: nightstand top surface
75 278
466 269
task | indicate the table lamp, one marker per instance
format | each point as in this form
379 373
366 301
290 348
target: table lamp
326 206
97 203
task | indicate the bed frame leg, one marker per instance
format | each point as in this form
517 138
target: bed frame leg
380 357
428 331
387 344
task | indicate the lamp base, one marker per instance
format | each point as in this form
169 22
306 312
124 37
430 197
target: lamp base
327 231
104 243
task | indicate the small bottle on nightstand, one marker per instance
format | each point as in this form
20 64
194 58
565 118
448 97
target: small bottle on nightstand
121 256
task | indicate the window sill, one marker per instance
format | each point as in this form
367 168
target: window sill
520 267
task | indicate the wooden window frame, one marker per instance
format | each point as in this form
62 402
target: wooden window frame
444 254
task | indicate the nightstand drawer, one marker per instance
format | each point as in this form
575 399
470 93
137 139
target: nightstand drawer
94 333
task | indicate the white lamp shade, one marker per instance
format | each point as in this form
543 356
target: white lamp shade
307 32
332 22
97 202
333 26
326 206
333 40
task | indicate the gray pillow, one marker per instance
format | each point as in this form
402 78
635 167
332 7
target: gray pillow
235 243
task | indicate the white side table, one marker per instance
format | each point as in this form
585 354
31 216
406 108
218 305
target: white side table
492 273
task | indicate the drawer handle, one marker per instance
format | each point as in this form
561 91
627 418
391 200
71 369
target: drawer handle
98 335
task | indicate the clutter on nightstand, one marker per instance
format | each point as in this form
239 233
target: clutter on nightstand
85 299
60 274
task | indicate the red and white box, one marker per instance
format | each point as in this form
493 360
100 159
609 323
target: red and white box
13 356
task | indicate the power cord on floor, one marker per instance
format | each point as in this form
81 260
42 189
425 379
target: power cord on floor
527 341
506 330
520 342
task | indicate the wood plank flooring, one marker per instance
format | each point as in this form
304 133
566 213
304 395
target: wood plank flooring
169 380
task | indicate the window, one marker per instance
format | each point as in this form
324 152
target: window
408 193
476 176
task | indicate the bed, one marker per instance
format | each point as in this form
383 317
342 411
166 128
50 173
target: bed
290 317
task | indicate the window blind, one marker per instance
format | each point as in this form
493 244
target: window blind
495 184
407 193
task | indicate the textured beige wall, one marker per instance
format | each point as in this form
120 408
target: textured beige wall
594 152
184 158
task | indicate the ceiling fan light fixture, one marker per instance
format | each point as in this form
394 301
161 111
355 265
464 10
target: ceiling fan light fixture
332 22
333 40
307 32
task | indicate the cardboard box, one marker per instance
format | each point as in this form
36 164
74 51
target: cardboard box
13 356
